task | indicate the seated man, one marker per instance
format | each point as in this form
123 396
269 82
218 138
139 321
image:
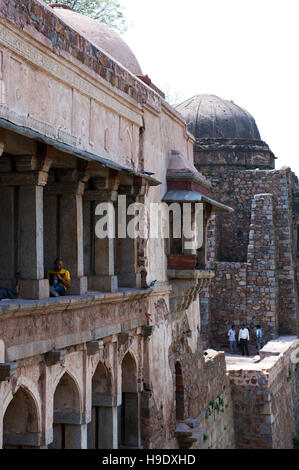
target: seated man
9 293
59 278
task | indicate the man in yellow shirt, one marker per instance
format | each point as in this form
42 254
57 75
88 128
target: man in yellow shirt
59 278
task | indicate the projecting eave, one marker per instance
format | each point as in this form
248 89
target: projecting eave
195 196
77 152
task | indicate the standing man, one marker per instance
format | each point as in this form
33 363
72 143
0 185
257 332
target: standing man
232 340
244 339
59 278
259 335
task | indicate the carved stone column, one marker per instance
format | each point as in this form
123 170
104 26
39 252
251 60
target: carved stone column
128 267
71 229
25 222
103 189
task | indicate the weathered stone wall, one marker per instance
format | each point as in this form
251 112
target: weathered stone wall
36 15
243 283
203 380
217 424
248 292
118 321
227 301
264 397
210 417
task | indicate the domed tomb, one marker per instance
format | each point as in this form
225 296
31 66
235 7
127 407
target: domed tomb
101 36
225 134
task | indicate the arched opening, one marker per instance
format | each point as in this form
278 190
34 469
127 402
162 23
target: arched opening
129 435
179 392
102 428
68 432
20 423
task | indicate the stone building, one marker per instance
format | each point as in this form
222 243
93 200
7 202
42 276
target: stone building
121 361
253 253
252 250
114 363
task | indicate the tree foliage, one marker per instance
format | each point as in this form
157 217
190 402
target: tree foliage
106 11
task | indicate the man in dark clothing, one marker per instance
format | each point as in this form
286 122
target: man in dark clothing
244 340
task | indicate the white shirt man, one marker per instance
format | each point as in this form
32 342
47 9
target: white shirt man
243 339
243 333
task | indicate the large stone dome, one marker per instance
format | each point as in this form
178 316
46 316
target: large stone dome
103 37
211 117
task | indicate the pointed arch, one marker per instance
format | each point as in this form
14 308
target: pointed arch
129 373
101 380
129 419
21 420
67 415
101 427
67 400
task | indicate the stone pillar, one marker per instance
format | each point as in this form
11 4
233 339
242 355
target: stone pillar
71 240
103 277
131 420
262 287
108 436
7 234
31 243
126 263
25 225
75 436
105 421
70 224
126 254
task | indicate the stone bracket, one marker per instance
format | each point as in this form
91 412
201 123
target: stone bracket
147 330
55 356
186 286
124 337
93 347
7 370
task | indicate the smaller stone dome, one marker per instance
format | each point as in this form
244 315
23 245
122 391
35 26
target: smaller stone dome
211 117
226 135
101 36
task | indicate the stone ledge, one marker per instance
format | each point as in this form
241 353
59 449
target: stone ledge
190 274
23 351
265 371
277 346
22 307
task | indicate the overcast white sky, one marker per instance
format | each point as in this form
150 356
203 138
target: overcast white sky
241 50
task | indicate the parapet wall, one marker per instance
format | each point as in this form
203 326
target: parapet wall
217 417
265 397
64 39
